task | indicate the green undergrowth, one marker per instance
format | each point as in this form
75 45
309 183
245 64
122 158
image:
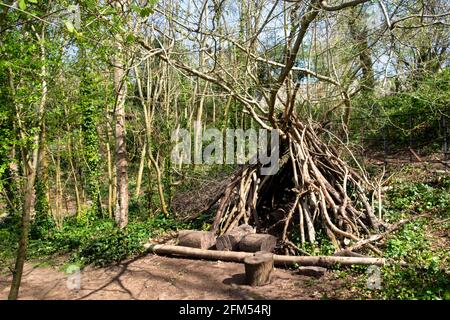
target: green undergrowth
89 240
422 243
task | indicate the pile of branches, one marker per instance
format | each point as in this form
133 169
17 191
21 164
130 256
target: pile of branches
313 189
190 204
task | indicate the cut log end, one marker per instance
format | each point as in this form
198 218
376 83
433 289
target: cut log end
258 242
258 268
230 240
196 239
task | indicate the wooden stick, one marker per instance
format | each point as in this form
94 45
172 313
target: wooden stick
380 236
415 155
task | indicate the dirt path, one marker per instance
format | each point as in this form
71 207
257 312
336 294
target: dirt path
156 277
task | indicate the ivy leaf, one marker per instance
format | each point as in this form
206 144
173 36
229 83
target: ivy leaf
69 26
145 12
130 38
136 8
22 4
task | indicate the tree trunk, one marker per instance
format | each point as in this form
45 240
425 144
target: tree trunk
23 242
152 162
359 34
141 170
72 169
111 174
31 164
121 214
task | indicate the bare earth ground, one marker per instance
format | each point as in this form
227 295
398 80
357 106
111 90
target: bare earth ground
156 277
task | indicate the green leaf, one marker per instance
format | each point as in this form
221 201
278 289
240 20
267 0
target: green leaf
32 1
145 12
136 8
69 26
130 38
22 4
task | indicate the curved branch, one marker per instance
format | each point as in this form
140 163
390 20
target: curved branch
324 5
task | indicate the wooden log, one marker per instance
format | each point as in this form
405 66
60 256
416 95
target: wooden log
196 239
230 240
258 242
309 271
258 268
321 261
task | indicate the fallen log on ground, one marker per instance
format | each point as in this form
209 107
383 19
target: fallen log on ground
258 242
196 239
230 240
320 261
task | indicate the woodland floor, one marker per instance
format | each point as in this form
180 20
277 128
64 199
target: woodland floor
159 278
152 277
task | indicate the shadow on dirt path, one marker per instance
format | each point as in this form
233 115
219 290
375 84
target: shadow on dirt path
160 278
